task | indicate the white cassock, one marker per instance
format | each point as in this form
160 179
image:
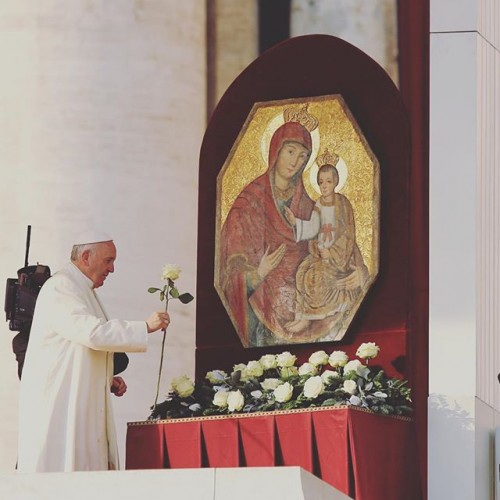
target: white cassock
66 419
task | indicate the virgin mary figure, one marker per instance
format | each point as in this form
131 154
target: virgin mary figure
258 250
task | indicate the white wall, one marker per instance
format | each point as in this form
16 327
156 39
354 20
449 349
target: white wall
102 113
464 358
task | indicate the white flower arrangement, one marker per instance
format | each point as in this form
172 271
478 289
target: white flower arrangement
274 383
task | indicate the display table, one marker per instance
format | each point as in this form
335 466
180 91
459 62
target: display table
364 455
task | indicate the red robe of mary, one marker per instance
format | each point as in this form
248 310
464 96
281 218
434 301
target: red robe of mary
256 224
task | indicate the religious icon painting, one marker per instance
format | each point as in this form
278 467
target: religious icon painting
297 224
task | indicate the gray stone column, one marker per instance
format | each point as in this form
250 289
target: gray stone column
233 43
369 25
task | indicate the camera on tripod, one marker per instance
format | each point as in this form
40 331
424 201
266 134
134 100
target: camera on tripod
21 292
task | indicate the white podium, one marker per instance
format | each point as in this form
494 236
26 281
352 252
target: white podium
245 483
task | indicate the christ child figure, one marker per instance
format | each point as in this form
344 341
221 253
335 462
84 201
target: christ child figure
330 278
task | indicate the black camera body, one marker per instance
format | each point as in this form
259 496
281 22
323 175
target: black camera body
21 294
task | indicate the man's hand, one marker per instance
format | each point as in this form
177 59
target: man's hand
269 261
118 387
158 321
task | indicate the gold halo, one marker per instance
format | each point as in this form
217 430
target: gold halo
313 175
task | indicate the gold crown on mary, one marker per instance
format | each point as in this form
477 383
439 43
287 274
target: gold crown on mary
302 116
328 158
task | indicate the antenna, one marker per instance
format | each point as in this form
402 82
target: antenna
28 237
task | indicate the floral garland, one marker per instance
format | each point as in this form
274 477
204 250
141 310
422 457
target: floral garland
274 382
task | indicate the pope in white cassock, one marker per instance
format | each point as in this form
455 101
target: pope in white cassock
65 414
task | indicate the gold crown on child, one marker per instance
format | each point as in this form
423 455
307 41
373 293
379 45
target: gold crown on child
328 158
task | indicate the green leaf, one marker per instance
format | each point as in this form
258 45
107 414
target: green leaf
329 402
153 290
174 293
162 295
185 298
405 409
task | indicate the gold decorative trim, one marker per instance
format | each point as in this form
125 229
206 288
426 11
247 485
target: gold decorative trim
263 414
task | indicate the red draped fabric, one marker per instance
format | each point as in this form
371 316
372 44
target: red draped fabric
183 445
257 441
217 432
145 447
364 455
332 447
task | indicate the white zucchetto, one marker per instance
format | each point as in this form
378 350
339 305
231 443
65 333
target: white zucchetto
92 236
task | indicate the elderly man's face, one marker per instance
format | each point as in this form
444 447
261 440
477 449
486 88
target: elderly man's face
99 262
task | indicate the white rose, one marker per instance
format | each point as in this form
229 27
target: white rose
216 376
308 369
368 350
350 386
356 366
242 368
352 366
285 359
270 384
254 369
235 401
338 358
288 371
183 386
318 358
220 399
268 361
170 271
327 375
256 394
313 387
283 392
